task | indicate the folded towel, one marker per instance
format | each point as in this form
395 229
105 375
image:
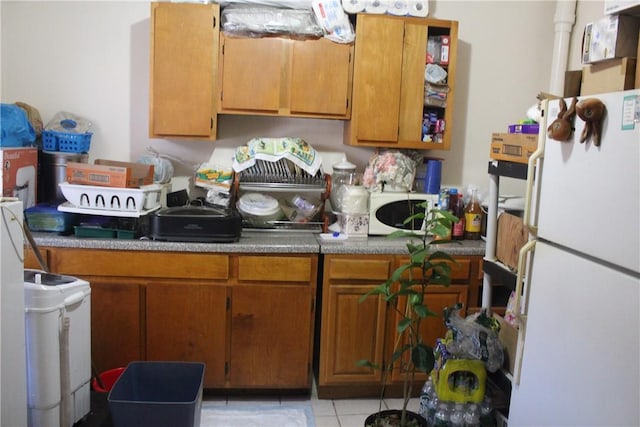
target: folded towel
273 149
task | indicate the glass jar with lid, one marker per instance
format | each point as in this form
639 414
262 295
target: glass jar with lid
344 173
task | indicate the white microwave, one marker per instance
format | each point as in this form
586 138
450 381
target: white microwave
387 211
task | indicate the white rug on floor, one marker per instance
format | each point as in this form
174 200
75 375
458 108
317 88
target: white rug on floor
289 415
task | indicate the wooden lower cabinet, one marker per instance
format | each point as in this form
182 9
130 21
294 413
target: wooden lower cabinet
352 329
269 324
252 329
116 324
186 322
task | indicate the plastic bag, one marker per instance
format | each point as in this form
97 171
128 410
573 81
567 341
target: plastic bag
162 168
335 22
69 123
475 337
259 21
15 128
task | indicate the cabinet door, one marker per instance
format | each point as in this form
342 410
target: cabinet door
271 336
320 78
250 74
31 260
390 108
184 47
116 337
377 81
351 331
188 322
437 299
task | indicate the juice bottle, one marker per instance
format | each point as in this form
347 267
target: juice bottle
473 217
457 231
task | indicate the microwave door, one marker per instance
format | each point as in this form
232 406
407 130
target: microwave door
394 213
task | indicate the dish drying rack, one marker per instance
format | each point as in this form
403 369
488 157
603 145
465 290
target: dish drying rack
284 176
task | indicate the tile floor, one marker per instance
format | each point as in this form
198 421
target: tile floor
328 413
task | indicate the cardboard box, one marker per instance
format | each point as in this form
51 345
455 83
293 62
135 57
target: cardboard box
20 174
613 36
508 336
628 7
513 147
609 76
572 83
512 235
109 173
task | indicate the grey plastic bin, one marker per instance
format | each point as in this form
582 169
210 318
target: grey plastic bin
158 394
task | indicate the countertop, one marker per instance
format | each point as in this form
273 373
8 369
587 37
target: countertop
260 242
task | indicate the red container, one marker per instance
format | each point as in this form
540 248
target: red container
108 379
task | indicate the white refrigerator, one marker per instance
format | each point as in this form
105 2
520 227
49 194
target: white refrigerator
580 332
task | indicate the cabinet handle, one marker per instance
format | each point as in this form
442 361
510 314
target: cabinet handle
531 167
214 22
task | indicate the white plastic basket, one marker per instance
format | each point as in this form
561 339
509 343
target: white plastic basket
140 199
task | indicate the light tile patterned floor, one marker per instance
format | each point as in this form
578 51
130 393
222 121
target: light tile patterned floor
328 413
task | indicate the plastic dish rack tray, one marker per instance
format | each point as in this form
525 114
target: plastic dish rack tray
140 199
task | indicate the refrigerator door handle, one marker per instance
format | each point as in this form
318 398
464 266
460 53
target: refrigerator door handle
531 169
521 311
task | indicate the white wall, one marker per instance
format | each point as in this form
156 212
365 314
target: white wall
92 58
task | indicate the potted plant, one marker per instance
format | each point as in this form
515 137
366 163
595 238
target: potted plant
404 293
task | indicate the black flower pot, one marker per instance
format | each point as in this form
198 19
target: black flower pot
392 418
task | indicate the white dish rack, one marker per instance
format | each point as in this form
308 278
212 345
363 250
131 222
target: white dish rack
112 199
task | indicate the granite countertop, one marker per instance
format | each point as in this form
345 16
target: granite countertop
395 246
260 242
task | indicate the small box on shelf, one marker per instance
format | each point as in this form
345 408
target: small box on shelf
110 173
610 37
513 147
609 76
509 338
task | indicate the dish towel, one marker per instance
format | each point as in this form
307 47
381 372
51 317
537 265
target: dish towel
274 149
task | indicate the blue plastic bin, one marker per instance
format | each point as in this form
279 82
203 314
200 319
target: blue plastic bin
66 141
158 394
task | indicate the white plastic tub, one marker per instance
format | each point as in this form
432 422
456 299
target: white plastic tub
140 199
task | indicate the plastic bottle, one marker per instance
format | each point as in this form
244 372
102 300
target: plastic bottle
432 406
486 413
473 217
443 205
442 415
457 232
472 415
457 416
427 394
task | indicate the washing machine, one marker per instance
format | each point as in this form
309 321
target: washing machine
58 343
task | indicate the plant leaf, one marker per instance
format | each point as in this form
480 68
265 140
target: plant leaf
422 357
367 363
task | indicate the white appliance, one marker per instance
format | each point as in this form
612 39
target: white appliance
388 210
13 371
58 331
579 341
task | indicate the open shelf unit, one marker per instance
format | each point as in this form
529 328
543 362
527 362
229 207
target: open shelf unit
495 272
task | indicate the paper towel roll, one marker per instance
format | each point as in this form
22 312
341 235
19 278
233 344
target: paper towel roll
398 7
353 6
419 8
375 6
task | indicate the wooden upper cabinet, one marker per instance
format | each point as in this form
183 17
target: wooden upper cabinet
183 70
320 78
285 77
389 108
